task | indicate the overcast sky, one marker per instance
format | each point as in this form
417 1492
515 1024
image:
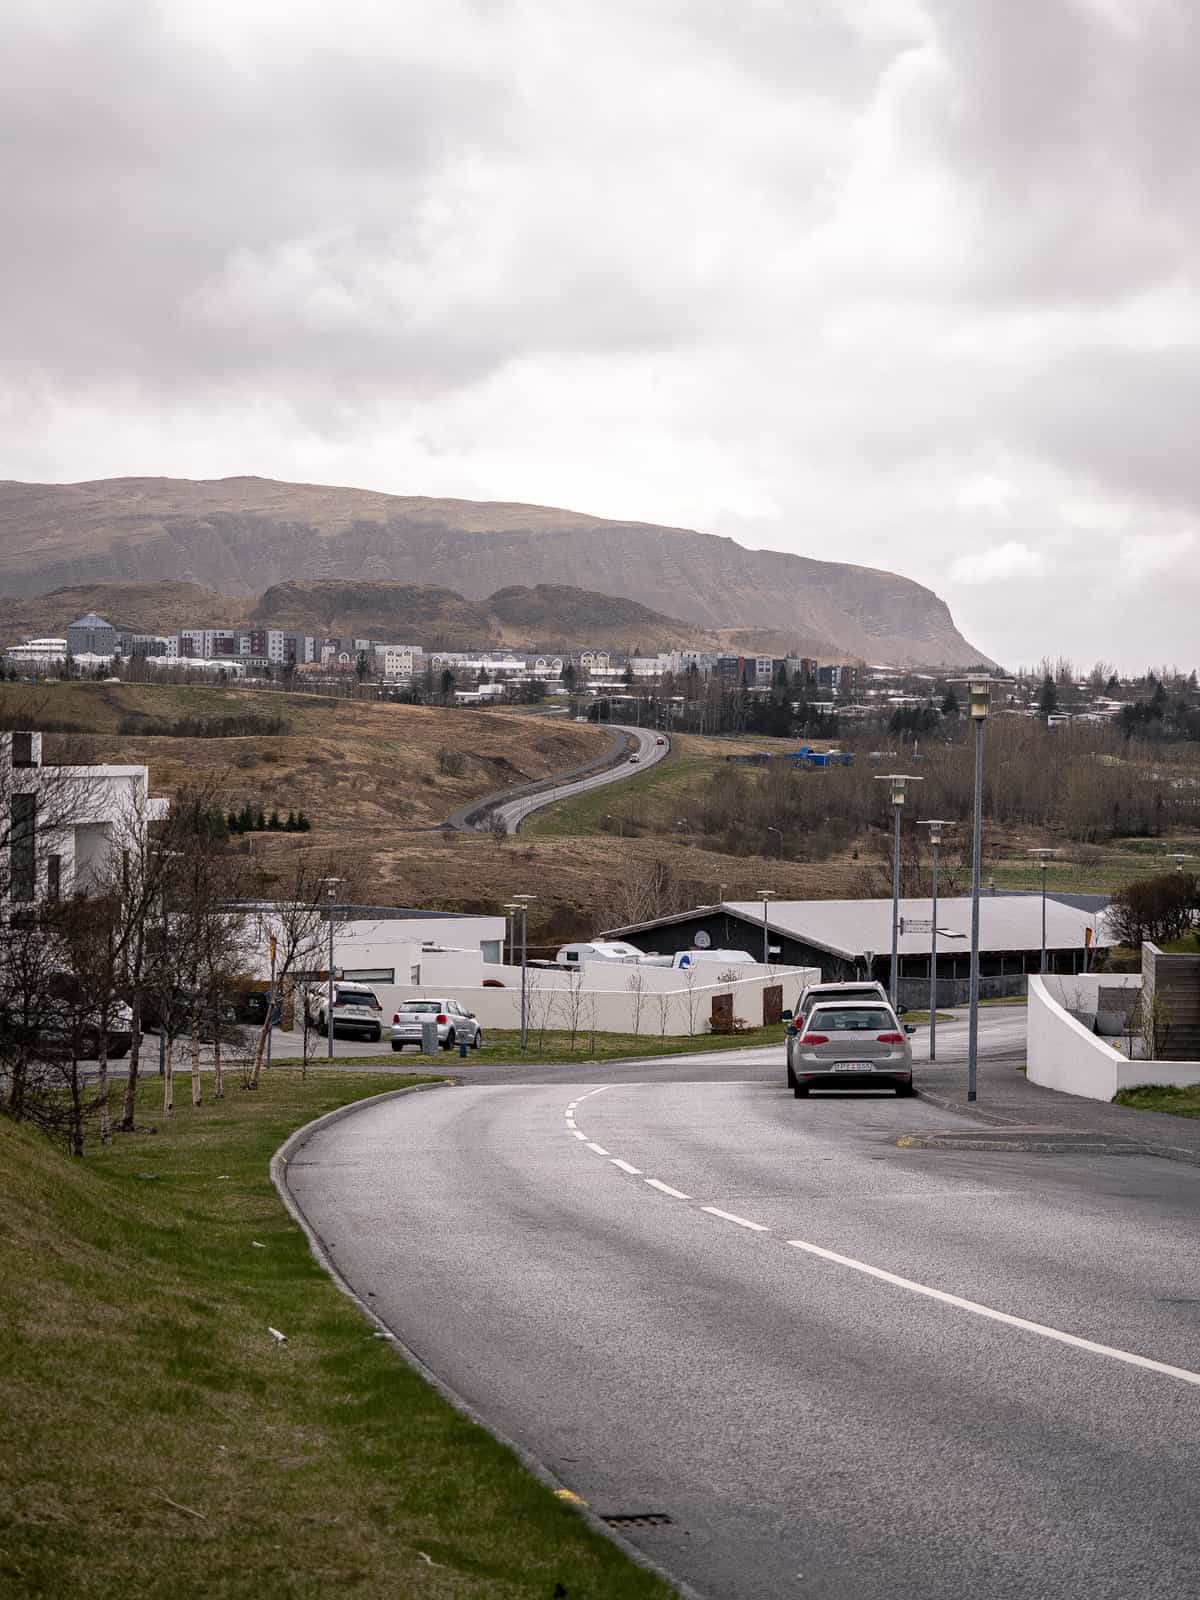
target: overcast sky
910 283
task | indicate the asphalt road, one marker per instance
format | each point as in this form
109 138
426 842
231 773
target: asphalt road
649 752
692 1296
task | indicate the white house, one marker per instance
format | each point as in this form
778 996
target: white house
62 826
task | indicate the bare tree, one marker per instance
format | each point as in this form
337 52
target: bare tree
635 985
572 1004
297 923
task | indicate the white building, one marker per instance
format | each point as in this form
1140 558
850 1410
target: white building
36 655
64 825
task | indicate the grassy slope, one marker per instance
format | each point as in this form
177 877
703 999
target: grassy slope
138 1366
353 766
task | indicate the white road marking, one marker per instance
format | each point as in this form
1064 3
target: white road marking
598 1148
978 1310
591 1092
665 1188
579 1135
728 1216
625 1167
571 1122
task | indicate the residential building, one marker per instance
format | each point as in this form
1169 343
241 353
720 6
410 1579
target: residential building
36 655
65 824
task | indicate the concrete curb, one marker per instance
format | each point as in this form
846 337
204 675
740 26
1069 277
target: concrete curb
280 1163
1114 1143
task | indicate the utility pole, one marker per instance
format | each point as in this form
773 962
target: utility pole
1043 857
935 826
765 895
523 900
899 782
330 887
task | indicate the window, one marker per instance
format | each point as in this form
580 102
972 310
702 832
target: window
53 877
22 750
22 859
850 1019
369 974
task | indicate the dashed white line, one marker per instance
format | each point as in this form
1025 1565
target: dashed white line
665 1188
579 1135
598 1148
635 1172
742 1222
978 1310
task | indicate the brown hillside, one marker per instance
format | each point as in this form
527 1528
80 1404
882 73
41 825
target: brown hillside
243 535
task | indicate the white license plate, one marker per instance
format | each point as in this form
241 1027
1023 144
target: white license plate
852 1066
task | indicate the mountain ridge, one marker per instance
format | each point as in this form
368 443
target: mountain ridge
242 536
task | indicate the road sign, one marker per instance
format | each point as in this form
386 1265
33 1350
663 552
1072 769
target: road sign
916 924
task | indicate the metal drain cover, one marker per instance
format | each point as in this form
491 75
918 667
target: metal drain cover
638 1519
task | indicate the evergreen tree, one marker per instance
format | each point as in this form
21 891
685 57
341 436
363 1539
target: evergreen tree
273 823
260 822
1047 698
290 825
950 707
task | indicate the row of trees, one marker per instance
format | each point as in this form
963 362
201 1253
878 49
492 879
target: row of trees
153 939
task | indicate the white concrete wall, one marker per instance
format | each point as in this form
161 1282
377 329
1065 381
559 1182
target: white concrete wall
668 1005
1062 1054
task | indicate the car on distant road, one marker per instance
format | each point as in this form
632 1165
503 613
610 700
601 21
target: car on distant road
356 1010
455 1024
855 1044
633 760
660 740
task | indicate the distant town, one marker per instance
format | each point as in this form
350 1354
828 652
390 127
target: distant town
704 690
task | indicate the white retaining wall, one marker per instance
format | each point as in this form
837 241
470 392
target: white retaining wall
601 1001
1062 1054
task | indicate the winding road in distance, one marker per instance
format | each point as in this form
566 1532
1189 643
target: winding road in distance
823 1365
649 752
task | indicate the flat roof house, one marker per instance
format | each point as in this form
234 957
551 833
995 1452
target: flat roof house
60 826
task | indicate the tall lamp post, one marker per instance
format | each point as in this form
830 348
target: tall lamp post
778 831
330 889
510 909
979 703
1043 858
935 826
898 793
1179 857
765 895
523 902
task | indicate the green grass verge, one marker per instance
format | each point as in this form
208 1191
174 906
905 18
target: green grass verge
156 1440
1161 1097
586 813
553 1046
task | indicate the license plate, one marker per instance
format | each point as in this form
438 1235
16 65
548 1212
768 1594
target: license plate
852 1066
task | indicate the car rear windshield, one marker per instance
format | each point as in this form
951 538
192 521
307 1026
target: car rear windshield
421 1005
851 1019
354 997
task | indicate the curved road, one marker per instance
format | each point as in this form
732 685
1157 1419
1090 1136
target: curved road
838 1367
649 753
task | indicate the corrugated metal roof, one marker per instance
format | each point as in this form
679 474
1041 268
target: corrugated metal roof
850 927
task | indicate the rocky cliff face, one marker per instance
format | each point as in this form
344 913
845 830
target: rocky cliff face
244 535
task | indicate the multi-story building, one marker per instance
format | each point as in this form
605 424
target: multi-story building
91 635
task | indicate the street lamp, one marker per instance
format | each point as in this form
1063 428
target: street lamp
935 826
617 820
1179 857
979 703
1043 857
765 895
523 904
898 793
779 831
330 885
510 910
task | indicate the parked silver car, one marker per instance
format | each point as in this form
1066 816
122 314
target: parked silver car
863 989
855 1044
455 1024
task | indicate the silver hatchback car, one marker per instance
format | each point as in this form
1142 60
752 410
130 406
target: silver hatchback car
858 1044
455 1024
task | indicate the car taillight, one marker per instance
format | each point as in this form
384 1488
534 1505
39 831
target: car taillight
815 1038
396 1016
442 1017
890 1038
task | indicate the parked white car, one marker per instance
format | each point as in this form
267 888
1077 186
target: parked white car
356 1010
455 1024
